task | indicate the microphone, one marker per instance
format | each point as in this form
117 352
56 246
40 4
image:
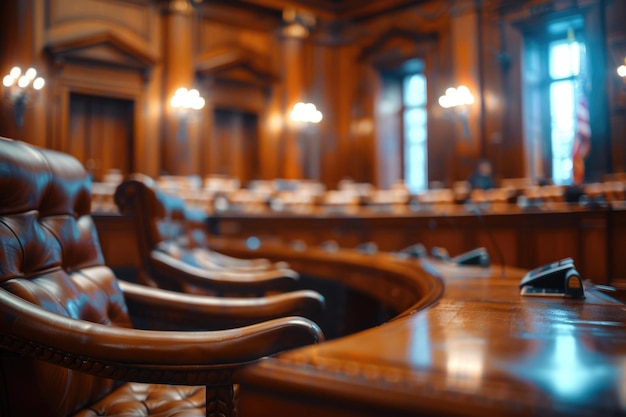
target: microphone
474 257
440 253
417 251
476 210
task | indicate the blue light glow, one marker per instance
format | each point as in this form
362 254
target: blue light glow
253 243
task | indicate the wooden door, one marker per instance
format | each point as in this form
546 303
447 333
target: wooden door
101 134
234 149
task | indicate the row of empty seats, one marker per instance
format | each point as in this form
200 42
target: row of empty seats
216 194
83 342
77 341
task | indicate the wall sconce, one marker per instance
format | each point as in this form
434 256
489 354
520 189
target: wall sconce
19 88
458 99
185 103
306 113
185 100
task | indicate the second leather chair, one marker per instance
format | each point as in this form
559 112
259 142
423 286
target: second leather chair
173 256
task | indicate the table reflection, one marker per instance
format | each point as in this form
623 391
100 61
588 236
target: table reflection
465 363
570 368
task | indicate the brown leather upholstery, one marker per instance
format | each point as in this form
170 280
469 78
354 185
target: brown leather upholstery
172 246
67 345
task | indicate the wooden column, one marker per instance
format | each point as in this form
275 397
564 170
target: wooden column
294 81
466 62
178 141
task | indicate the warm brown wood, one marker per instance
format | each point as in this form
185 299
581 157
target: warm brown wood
101 134
234 150
475 349
513 236
617 247
118 241
525 239
98 59
45 336
180 150
482 349
235 52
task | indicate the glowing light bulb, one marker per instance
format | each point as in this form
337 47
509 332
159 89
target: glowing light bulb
317 116
23 81
465 97
459 96
198 103
8 80
306 112
30 73
15 72
187 99
39 83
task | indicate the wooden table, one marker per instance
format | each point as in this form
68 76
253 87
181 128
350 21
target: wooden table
474 348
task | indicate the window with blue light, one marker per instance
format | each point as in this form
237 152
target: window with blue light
415 125
564 69
554 78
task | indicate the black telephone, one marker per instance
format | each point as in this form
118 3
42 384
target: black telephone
557 279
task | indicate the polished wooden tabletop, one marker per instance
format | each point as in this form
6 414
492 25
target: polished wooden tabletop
480 349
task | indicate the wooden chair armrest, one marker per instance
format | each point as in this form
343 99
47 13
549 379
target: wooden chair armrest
170 310
223 282
144 355
216 259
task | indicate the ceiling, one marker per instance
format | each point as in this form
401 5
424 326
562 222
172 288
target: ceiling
333 9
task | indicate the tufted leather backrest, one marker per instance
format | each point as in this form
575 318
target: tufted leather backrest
50 256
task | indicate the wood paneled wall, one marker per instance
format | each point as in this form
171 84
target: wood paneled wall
514 238
141 51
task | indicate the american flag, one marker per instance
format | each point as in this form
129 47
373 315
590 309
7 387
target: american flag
582 139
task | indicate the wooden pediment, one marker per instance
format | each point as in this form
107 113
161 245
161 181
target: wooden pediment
103 47
400 41
237 64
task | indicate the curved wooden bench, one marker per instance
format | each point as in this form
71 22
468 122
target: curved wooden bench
398 284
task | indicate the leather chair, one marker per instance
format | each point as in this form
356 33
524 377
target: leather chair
173 248
67 343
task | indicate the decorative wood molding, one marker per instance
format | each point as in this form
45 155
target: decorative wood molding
219 376
238 64
503 7
102 47
396 36
332 9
